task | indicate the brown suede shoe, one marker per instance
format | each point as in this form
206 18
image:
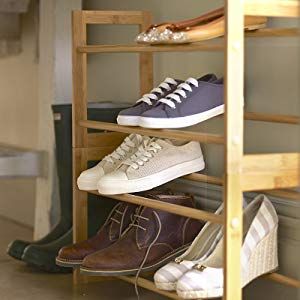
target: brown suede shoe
115 225
154 238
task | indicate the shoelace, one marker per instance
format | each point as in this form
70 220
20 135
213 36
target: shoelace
180 92
111 218
135 223
123 149
147 98
144 153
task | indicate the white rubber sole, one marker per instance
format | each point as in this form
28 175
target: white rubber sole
181 121
87 185
128 120
114 187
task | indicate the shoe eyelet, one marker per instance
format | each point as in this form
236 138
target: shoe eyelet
178 260
200 268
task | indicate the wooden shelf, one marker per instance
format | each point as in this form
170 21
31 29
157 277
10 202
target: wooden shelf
270 171
283 280
263 117
172 208
210 45
279 8
149 285
137 48
162 133
274 32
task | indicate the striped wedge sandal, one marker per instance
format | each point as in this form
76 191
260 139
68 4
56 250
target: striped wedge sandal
259 254
166 278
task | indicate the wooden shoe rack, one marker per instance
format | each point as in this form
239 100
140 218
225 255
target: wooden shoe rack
275 174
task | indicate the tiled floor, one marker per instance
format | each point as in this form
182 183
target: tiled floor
19 282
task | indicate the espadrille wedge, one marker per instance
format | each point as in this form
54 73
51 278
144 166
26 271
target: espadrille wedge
258 257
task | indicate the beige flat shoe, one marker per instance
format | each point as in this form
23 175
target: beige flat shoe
151 35
208 31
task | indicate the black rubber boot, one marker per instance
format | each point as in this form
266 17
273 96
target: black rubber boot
16 248
63 138
42 253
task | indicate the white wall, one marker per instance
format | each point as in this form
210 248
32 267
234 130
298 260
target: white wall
18 120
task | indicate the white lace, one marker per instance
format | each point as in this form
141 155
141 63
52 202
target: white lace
180 92
151 96
145 152
123 149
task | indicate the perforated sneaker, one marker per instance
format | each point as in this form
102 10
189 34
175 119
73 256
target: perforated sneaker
156 162
194 101
89 178
130 116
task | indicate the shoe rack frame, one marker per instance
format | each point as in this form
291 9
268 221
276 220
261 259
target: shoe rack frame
272 173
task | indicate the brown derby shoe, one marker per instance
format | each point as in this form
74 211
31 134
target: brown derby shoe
154 238
117 222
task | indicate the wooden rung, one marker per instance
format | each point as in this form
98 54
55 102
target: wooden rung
274 32
270 171
204 178
286 194
136 48
162 133
254 116
283 280
113 17
172 208
149 285
276 8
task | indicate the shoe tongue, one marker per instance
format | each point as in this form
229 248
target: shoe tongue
138 139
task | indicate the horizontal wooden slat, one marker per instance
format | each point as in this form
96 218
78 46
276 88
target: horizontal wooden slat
276 118
283 280
137 48
149 285
162 133
270 171
274 32
286 194
279 8
200 46
204 178
172 208
106 139
112 17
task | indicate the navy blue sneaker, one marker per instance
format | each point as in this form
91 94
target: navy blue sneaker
193 102
131 115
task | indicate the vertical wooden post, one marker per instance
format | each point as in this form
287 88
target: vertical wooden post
146 60
234 84
79 112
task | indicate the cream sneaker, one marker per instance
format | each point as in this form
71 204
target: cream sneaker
156 162
89 178
259 254
166 278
